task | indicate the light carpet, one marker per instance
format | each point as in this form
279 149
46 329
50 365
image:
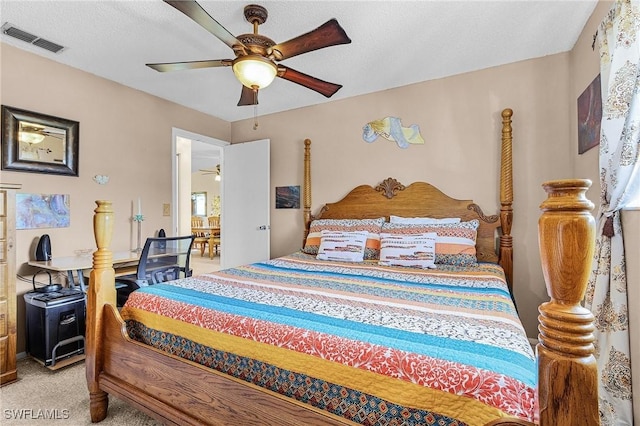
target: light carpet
43 397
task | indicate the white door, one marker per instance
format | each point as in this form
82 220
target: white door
244 220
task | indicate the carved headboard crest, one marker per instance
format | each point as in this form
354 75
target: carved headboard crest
390 187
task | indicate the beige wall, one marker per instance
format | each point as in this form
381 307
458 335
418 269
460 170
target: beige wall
124 133
205 183
585 66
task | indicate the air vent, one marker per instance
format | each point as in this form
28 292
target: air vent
13 31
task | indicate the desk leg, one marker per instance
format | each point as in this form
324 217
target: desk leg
81 282
72 281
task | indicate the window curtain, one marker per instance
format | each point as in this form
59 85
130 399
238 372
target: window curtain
619 178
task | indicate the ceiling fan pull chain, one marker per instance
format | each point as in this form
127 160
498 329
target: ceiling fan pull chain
255 117
255 109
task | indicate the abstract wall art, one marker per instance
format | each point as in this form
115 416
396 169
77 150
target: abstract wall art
589 116
288 197
42 211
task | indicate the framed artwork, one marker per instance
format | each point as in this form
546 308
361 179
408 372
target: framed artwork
39 143
42 211
589 116
288 197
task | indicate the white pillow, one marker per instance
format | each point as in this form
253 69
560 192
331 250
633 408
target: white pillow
416 250
423 220
342 245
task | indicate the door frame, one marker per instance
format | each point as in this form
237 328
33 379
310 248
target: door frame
180 158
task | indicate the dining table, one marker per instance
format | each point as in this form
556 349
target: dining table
212 232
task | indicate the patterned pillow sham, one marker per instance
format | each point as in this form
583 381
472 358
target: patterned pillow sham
340 245
418 251
455 243
423 220
372 226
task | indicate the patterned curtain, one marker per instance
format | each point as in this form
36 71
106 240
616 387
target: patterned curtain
619 177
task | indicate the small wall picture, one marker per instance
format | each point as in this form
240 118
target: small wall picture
42 211
589 116
288 197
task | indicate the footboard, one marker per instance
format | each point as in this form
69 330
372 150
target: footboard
168 388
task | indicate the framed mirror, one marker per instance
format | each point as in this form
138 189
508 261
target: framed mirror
39 143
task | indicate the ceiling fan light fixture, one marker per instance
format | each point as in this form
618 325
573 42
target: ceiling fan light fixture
254 71
30 137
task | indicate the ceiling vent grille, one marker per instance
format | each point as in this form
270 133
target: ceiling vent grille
12 31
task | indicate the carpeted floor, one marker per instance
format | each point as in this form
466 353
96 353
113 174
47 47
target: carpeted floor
43 397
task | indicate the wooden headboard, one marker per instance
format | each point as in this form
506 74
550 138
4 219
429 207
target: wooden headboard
421 199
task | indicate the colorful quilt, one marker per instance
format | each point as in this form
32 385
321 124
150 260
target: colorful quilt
374 344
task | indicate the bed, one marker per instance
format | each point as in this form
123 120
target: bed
309 340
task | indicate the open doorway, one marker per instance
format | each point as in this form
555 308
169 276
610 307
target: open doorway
195 165
244 194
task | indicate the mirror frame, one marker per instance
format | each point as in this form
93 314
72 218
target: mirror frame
11 118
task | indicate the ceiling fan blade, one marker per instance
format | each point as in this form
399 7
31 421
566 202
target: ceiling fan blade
179 66
323 87
194 11
248 97
328 34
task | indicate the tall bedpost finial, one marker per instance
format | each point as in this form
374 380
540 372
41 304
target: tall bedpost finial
307 189
506 198
567 369
101 290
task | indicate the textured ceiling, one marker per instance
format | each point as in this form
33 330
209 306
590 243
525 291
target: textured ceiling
394 43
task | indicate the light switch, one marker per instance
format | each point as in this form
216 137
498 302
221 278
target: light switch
166 209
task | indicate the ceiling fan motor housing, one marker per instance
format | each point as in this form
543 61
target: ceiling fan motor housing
256 43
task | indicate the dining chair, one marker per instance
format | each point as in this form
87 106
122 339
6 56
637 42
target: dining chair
161 260
200 234
214 227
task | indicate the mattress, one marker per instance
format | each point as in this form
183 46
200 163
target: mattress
373 344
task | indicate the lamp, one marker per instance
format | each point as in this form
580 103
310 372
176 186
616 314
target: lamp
30 137
254 71
217 178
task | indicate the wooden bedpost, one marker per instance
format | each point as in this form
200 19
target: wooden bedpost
506 198
567 370
307 189
101 290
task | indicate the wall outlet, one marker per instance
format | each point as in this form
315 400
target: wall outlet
166 209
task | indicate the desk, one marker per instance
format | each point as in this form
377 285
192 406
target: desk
212 232
125 260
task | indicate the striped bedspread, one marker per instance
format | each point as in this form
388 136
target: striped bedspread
374 344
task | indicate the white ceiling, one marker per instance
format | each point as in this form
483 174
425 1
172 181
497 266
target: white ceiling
394 43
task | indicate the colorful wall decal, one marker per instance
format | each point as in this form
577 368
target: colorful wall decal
391 129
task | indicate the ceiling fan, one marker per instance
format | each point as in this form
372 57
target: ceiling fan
215 171
255 64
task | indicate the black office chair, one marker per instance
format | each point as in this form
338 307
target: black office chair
161 260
